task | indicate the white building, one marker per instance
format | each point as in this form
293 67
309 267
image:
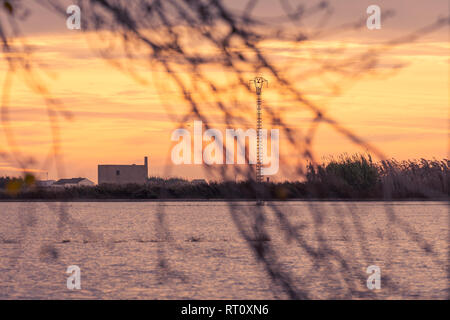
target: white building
74 182
45 183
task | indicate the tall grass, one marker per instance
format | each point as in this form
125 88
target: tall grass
357 176
415 178
344 176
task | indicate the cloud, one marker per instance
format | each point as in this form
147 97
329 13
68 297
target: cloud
27 170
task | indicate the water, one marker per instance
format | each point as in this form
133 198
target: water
195 250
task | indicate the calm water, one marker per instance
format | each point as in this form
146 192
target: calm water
195 250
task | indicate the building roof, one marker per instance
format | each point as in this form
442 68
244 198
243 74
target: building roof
69 181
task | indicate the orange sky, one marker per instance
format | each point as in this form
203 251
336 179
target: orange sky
117 120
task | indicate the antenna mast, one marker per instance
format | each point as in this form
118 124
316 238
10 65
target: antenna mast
259 84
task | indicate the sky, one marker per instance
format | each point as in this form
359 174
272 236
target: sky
117 120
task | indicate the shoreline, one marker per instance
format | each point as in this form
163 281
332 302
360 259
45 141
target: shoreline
231 200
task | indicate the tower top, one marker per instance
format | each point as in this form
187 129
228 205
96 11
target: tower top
259 82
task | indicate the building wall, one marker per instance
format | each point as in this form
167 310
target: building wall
122 174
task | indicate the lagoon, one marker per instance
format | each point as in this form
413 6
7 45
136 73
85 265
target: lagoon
220 250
